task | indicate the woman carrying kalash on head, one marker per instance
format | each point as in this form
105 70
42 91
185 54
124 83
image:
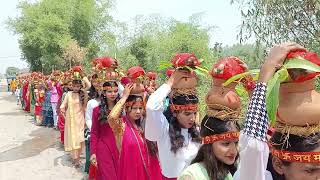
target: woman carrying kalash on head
103 150
178 141
73 109
217 157
295 151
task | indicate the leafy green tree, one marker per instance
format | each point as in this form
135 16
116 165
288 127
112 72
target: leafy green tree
46 27
249 53
275 21
139 49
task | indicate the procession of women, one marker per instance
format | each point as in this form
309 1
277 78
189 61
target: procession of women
130 125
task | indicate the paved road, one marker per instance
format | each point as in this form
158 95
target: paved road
28 151
3 85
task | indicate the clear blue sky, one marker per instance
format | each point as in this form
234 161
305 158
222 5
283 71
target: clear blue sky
218 13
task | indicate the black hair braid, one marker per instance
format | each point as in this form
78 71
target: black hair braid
82 96
176 138
104 109
93 93
195 134
152 147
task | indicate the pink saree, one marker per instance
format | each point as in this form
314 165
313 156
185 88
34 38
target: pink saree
135 160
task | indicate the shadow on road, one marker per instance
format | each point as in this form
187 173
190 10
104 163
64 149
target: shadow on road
43 139
65 160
